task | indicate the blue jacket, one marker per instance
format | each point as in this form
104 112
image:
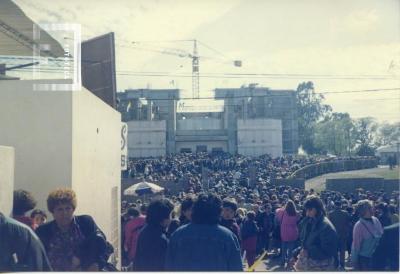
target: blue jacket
201 247
20 248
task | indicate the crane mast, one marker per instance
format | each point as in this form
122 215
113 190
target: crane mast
195 72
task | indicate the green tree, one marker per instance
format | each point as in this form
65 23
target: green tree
334 134
310 110
388 133
365 134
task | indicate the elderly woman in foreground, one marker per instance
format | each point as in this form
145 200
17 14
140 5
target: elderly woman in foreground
72 243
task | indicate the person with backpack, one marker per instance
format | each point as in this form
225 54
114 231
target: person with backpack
20 248
72 243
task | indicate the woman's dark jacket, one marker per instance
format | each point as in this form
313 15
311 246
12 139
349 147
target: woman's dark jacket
387 252
249 229
151 249
319 238
93 249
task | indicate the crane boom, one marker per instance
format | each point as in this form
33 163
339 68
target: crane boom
195 60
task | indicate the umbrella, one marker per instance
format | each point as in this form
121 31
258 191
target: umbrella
143 188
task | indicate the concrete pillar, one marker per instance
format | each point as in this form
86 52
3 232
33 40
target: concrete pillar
245 109
137 109
7 159
149 110
232 126
171 127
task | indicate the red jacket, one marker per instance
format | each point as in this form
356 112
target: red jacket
26 220
132 230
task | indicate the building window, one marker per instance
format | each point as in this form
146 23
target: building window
217 150
201 148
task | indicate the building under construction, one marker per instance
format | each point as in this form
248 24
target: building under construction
252 121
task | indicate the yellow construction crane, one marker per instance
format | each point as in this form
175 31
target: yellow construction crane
182 53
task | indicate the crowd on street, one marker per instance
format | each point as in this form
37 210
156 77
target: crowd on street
308 231
226 174
224 226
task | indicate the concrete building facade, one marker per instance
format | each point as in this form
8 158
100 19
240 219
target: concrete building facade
259 136
265 120
249 103
147 138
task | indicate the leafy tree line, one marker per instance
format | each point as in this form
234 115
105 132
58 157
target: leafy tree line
323 131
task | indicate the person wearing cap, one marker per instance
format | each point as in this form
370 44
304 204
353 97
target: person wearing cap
229 207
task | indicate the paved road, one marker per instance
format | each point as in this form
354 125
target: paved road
269 264
272 264
318 183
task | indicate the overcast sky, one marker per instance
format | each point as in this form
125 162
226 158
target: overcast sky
340 45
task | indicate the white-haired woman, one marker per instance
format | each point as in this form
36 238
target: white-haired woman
366 235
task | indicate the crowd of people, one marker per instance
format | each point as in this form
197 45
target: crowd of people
222 227
308 231
230 175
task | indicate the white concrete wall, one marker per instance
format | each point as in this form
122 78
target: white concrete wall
65 139
199 124
210 145
259 136
147 138
38 124
7 158
96 161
